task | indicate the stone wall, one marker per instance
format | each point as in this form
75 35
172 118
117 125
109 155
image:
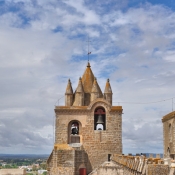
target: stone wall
169 134
96 143
140 165
12 172
66 160
108 168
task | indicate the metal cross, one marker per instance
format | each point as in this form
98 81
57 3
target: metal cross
88 48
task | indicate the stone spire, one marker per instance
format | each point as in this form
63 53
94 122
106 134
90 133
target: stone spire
79 94
69 94
96 91
87 81
108 92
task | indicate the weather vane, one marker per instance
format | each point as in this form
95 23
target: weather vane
88 48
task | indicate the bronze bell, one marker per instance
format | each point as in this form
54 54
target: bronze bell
100 119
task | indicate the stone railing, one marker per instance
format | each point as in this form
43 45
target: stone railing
140 165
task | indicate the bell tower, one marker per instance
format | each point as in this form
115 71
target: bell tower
87 128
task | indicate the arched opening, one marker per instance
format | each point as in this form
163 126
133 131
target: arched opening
99 119
74 131
170 133
168 152
74 128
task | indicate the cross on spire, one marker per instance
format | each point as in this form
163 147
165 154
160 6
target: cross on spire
88 48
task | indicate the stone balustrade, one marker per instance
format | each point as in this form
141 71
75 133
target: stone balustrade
140 165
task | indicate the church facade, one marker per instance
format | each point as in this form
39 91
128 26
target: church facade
88 128
169 134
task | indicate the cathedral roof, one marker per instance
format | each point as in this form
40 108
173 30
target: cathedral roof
69 89
80 86
88 79
168 116
96 88
108 87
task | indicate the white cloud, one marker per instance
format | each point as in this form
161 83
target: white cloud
134 48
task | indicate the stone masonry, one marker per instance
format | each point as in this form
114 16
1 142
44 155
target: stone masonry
169 134
88 128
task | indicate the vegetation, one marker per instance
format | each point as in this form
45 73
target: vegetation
35 163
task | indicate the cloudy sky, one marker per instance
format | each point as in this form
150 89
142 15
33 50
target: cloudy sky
44 42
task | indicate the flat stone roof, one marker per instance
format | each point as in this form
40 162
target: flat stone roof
168 116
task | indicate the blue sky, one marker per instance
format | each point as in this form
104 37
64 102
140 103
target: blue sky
43 43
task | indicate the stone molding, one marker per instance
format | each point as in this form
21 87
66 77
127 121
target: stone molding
168 116
98 102
72 111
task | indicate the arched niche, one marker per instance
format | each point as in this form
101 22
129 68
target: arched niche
170 132
74 131
99 118
168 152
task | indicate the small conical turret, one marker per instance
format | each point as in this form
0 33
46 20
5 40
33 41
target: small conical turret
96 91
108 92
80 86
69 94
79 94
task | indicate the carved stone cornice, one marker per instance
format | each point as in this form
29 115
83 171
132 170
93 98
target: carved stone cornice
72 111
99 101
85 110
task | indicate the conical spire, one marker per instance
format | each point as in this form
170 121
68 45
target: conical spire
88 79
96 91
108 92
69 94
80 86
79 94
69 89
108 87
96 88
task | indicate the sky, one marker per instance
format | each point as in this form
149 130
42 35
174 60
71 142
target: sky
44 43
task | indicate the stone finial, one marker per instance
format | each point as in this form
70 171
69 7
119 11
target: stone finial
96 91
108 87
69 89
88 64
80 86
96 87
79 94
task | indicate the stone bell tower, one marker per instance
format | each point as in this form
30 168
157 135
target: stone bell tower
88 127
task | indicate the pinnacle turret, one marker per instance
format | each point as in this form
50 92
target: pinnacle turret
80 86
96 91
108 92
108 87
69 89
79 94
69 94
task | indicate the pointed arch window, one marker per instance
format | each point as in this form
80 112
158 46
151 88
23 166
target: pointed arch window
99 119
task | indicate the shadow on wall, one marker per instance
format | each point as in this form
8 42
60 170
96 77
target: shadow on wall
82 161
